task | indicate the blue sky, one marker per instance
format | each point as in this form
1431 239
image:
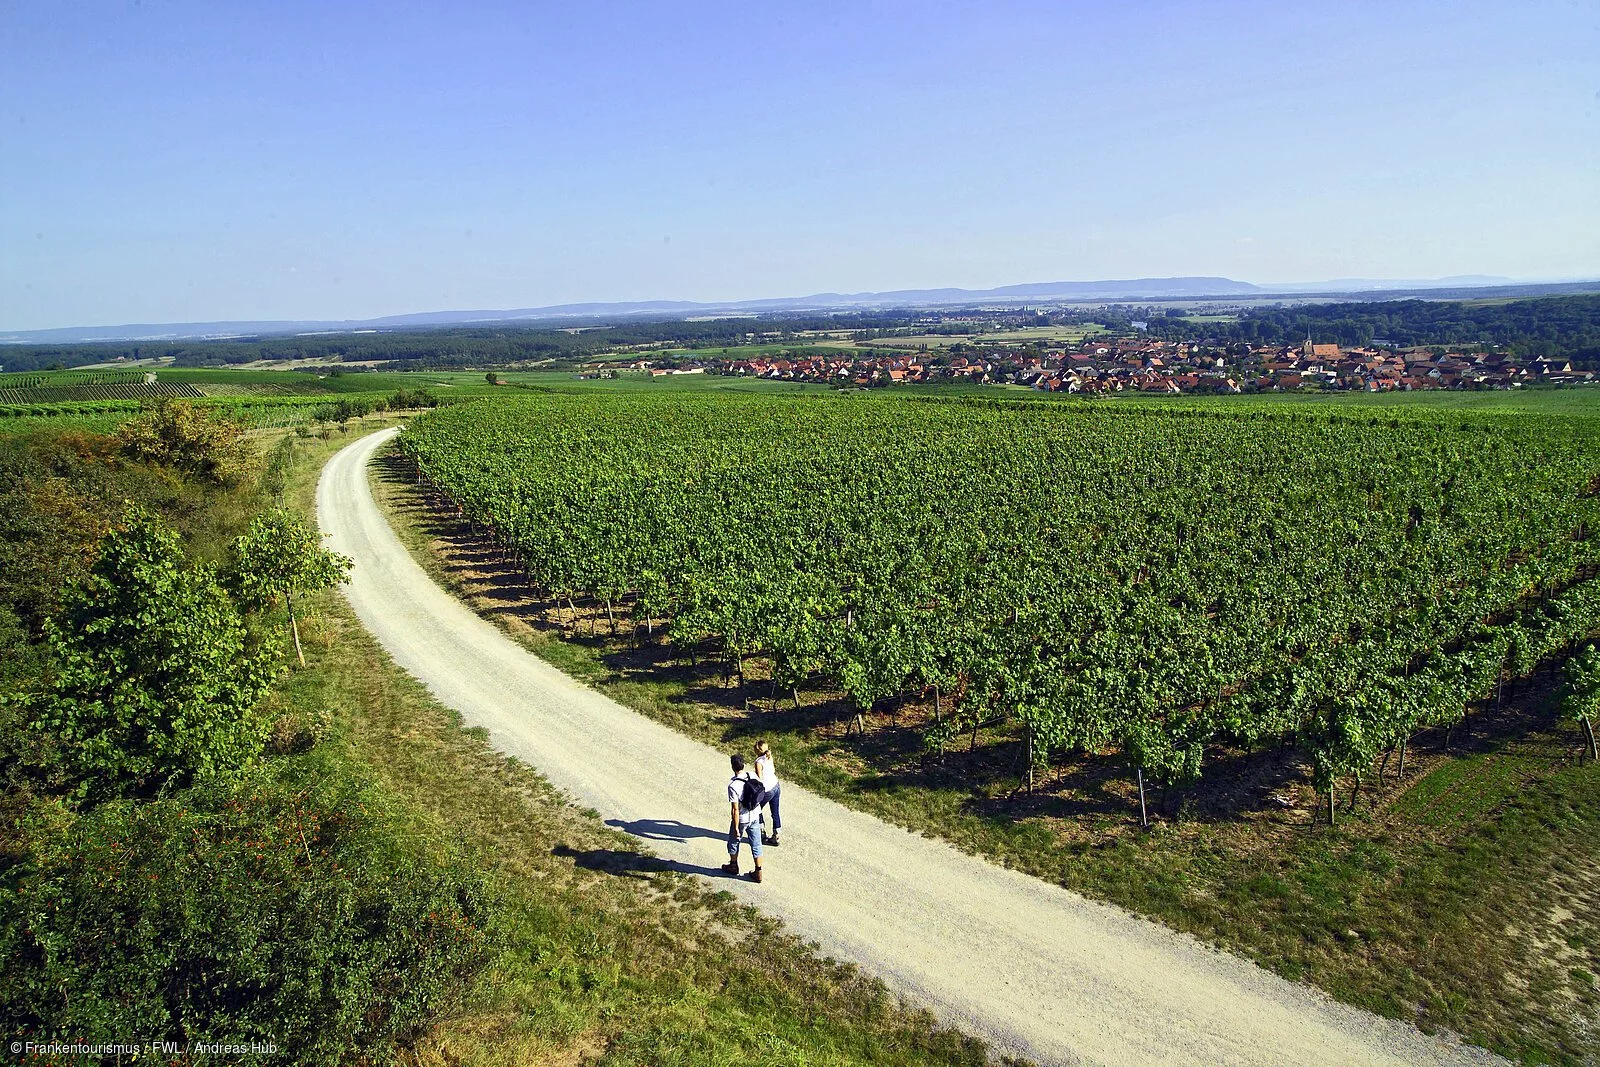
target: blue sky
167 161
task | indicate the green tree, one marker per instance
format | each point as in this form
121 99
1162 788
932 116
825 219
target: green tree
279 556
154 684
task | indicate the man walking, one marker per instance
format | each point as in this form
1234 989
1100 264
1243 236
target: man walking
744 817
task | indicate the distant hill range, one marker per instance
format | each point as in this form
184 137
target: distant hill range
1128 289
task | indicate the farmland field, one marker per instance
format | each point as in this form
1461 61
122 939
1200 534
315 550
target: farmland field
1047 334
971 598
259 399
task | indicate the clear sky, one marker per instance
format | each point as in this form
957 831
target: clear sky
174 161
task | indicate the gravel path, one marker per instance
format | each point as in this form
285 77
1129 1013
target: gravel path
1035 969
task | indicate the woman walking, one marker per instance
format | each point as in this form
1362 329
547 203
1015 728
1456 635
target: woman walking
768 773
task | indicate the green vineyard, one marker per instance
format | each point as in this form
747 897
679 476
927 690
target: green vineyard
1140 584
61 379
139 390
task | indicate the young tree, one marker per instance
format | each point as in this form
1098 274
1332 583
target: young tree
280 555
1583 692
154 685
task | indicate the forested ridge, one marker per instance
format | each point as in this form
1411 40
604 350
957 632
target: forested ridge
1567 326
446 347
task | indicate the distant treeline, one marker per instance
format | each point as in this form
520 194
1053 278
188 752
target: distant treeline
472 346
1566 326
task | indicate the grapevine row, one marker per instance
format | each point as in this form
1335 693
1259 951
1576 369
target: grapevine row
1152 581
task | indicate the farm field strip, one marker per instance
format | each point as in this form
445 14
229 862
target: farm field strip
91 393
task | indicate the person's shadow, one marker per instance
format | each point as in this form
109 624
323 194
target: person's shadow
632 864
664 830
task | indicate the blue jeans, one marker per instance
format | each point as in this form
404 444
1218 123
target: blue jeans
750 832
773 796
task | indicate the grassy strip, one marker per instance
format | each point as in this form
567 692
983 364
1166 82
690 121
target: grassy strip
605 956
1464 897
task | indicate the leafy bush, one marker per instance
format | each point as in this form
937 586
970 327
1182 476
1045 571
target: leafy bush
411 398
300 906
49 524
343 410
154 686
175 433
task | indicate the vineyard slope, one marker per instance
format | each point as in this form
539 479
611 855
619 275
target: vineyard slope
1035 969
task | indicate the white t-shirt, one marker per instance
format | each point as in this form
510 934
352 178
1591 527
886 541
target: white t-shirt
736 794
764 771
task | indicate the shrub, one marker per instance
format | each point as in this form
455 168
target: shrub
300 906
175 433
411 398
154 686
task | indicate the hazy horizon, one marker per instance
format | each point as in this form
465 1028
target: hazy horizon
187 163
643 307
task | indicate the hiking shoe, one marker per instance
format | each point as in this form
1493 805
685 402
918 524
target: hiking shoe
755 875
732 867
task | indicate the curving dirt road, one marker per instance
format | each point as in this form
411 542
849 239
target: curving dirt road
1035 969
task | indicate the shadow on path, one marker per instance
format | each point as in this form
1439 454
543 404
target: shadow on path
665 830
632 864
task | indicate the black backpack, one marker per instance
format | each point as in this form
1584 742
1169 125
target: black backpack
753 796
